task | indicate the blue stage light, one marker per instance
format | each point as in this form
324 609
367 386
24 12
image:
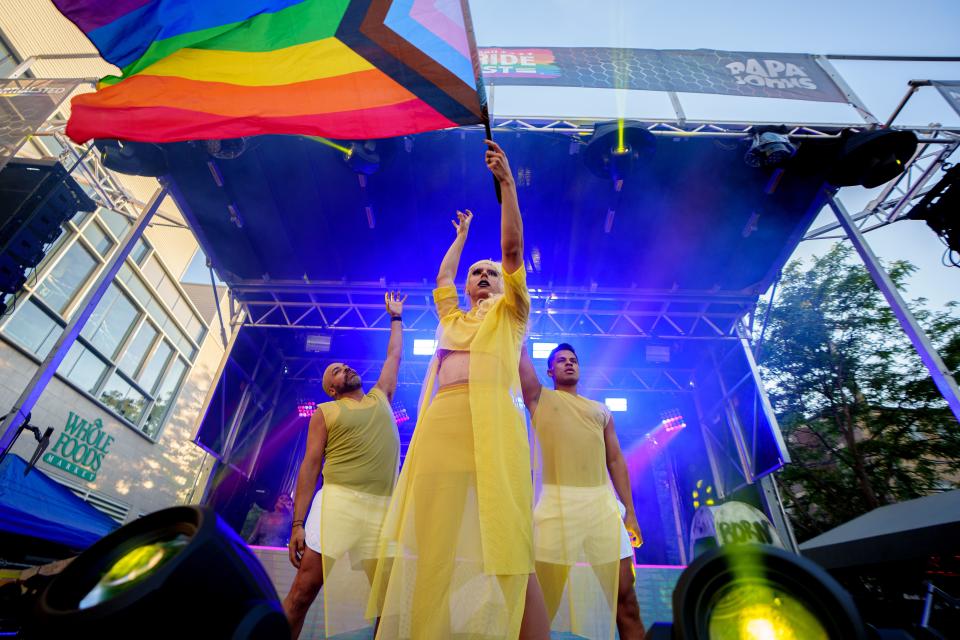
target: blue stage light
616 404
541 350
424 347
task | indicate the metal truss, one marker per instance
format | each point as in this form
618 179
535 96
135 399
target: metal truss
619 313
413 372
932 134
899 196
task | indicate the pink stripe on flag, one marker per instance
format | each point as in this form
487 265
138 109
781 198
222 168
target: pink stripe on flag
444 19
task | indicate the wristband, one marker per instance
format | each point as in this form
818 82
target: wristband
396 318
297 523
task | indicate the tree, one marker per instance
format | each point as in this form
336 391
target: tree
863 421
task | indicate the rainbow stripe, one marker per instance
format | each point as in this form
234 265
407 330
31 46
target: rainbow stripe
343 69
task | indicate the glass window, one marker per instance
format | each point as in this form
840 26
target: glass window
158 361
111 321
65 279
138 348
98 238
196 329
33 329
140 251
166 395
80 217
52 145
181 310
167 291
117 222
124 398
82 368
135 285
152 271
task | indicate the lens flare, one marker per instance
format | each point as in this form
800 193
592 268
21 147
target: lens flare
133 568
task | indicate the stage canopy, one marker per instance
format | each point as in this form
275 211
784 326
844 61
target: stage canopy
36 506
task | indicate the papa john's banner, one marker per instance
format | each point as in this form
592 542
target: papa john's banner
25 104
795 76
950 90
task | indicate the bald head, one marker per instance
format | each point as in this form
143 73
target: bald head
339 379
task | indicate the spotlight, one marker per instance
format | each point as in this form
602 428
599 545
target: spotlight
424 347
366 157
871 158
179 572
758 592
769 148
316 343
229 149
306 408
616 404
541 350
617 148
940 209
133 158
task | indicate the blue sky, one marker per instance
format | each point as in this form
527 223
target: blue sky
878 27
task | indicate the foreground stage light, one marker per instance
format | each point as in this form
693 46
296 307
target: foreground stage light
769 149
367 156
133 158
616 404
179 572
541 350
759 592
871 158
617 148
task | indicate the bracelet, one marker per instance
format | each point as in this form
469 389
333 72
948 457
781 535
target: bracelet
297 523
396 318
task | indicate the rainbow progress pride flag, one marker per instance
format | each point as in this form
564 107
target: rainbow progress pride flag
345 69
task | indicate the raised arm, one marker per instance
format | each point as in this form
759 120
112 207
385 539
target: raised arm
307 483
529 382
388 374
451 261
617 466
511 224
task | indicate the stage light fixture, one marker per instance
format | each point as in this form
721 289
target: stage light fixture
618 148
940 209
306 408
424 347
179 572
769 148
871 158
616 404
541 350
133 158
759 592
367 156
227 149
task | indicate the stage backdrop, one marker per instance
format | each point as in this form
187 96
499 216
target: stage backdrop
796 76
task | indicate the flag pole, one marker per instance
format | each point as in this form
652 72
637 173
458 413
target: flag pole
489 132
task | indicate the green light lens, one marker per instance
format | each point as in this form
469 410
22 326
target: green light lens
132 568
754 611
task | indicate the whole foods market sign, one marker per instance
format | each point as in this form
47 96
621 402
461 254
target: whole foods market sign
81 448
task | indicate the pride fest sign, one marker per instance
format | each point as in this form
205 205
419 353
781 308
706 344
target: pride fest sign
81 448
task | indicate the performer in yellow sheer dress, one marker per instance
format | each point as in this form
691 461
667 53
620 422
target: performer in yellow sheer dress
583 538
457 545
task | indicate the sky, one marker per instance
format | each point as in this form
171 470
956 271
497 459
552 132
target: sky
864 27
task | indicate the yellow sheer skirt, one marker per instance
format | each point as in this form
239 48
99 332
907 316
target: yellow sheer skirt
579 539
431 583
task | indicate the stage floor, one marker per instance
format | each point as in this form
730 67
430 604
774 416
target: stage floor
654 591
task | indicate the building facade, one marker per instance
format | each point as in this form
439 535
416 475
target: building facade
125 401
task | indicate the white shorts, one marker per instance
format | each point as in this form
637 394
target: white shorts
350 523
574 524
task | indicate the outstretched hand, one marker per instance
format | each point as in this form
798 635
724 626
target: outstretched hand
497 163
394 302
462 223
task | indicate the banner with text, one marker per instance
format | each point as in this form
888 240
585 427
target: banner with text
950 90
794 76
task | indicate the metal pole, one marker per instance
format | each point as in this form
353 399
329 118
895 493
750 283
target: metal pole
938 370
216 304
47 369
914 87
762 394
778 515
677 107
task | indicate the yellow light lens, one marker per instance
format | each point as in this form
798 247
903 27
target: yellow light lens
132 568
753 611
